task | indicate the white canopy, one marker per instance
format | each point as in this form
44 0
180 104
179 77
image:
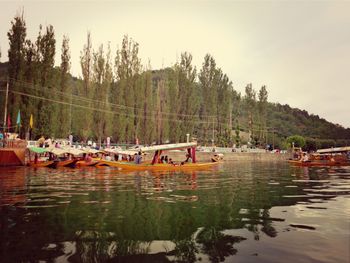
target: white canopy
172 146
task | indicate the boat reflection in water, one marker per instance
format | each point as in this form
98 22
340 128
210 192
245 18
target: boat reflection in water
244 212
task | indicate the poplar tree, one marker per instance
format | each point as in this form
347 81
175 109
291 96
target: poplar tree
262 107
86 60
16 55
65 110
208 89
127 70
102 79
173 104
47 111
250 102
189 106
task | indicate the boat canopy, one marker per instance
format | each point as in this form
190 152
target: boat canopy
37 149
165 147
334 150
57 151
119 151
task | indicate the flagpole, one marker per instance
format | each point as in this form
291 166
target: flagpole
5 111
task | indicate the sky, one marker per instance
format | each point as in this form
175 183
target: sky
299 49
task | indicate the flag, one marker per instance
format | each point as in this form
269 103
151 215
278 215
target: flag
31 121
18 122
8 122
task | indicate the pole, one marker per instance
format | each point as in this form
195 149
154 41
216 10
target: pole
212 140
70 111
6 98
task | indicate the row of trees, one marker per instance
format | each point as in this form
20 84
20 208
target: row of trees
119 97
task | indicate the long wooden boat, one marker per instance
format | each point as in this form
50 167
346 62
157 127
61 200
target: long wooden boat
65 163
40 164
318 163
83 163
157 167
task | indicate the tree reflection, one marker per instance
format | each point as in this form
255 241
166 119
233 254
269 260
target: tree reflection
185 250
217 245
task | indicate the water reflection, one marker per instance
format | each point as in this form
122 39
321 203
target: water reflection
105 215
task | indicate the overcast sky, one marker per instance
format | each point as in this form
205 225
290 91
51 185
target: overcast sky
299 50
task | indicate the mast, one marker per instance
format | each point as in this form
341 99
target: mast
5 111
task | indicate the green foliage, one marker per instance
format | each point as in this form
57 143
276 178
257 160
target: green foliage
299 141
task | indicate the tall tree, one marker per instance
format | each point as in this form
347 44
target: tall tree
47 111
86 62
262 108
16 55
189 105
250 102
209 93
65 111
127 70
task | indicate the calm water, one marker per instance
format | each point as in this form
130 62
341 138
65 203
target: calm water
241 212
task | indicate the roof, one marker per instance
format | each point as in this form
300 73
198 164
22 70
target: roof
37 149
333 150
169 146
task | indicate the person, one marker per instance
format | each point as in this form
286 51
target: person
171 162
41 141
305 158
165 159
189 159
1 139
108 158
161 159
138 158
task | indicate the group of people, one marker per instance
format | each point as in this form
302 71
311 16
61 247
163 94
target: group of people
166 160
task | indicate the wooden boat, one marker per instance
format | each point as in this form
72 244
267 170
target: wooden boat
40 163
82 163
318 163
65 163
338 156
155 166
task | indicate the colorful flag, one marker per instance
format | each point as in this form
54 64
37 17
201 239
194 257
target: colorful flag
31 121
8 122
18 122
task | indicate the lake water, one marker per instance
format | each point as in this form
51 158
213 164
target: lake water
239 212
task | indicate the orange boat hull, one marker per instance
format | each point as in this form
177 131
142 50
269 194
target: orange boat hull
318 163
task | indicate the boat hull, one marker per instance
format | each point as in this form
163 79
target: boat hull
85 164
157 167
12 156
317 163
40 164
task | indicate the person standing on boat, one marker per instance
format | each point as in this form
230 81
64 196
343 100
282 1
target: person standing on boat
189 159
138 158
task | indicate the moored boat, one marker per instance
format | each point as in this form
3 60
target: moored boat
156 166
319 163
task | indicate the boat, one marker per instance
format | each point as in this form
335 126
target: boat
53 160
318 163
156 166
339 156
12 152
83 163
130 166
